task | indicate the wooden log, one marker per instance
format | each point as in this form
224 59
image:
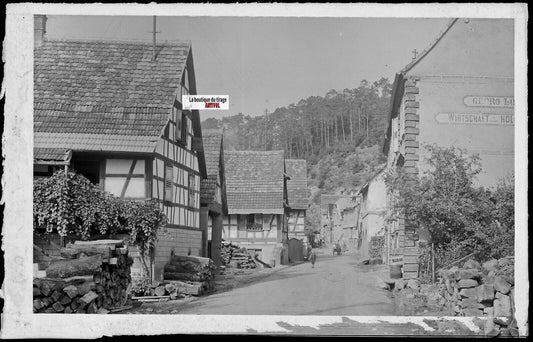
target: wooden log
37 304
74 267
58 307
200 260
89 297
108 242
159 291
92 308
182 268
85 287
194 289
69 253
103 250
181 276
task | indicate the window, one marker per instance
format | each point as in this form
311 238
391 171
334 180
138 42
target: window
169 189
192 195
255 222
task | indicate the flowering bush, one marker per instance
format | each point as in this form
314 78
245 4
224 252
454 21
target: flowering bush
70 204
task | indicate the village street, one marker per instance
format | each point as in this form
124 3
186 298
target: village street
337 285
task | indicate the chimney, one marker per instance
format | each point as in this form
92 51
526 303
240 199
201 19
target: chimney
39 28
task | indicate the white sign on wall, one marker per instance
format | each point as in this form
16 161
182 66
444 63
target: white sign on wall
475 118
489 101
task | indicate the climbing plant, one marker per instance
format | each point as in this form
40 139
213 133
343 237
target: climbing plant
69 204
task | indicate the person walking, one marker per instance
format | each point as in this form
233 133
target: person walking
313 259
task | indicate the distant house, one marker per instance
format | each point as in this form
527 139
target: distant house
329 217
298 198
348 210
372 215
213 196
256 191
112 112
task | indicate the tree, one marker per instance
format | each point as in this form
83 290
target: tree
459 216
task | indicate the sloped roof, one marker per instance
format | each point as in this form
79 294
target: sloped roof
423 54
212 141
398 85
59 155
297 192
106 89
254 181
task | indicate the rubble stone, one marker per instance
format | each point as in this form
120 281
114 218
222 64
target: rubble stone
467 274
491 265
502 306
485 293
491 329
501 285
468 293
489 311
472 264
467 283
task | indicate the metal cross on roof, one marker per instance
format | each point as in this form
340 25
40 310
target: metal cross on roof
154 32
415 53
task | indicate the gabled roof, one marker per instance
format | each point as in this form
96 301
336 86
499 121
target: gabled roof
398 85
213 150
297 192
255 181
430 47
101 90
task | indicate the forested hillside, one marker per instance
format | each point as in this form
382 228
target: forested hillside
339 134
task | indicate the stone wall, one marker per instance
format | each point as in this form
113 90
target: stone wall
482 290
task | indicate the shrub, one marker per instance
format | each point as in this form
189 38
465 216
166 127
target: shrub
460 217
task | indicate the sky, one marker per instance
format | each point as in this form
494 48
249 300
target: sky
263 63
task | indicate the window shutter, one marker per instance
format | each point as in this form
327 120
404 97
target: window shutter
183 128
192 183
178 117
169 170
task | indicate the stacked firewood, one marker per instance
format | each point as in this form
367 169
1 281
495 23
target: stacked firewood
236 256
191 270
243 260
227 250
91 277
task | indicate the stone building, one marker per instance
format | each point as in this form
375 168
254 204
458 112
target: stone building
458 92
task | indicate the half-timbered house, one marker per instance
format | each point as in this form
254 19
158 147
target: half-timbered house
213 204
298 196
256 189
116 107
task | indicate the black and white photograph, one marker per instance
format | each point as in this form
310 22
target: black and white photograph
274 169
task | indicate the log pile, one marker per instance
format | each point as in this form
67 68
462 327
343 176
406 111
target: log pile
235 256
226 251
90 277
243 260
190 270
